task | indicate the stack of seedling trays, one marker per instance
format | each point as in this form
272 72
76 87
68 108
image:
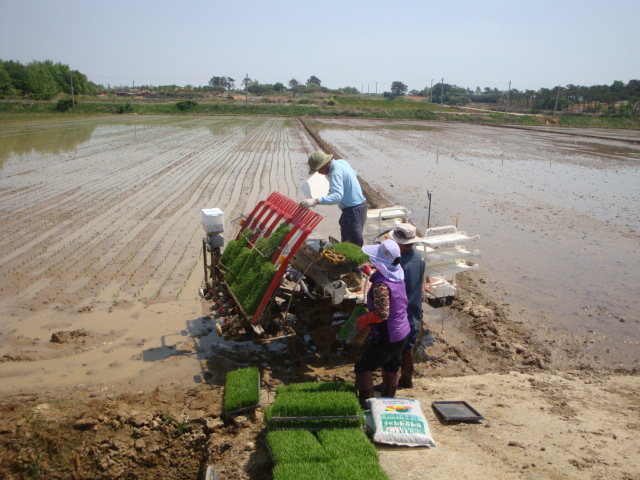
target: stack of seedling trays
316 433
242 391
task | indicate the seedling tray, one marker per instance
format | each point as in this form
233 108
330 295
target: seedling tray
456 411
229 413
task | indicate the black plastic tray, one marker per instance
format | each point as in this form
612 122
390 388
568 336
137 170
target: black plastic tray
456 411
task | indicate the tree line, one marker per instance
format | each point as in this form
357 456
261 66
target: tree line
615 98
42 80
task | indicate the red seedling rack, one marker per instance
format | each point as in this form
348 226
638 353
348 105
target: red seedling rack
264 218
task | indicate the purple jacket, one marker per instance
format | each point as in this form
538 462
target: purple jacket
396 326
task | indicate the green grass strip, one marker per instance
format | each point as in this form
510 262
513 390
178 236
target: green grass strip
347 443
302 471
242 389
296 446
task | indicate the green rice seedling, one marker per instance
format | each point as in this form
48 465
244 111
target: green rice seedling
234 247
353 253
317 387
349 325
229 254
356 468
237 265
289 404
314 411
242 389
301 471
346 443
246 236
267 246
257 289
295 446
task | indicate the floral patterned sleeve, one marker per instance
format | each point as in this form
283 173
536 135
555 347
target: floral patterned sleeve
381 297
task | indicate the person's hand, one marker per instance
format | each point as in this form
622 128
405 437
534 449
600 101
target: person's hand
308 203
365 320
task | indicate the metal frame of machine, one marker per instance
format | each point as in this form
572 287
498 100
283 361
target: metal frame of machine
318 284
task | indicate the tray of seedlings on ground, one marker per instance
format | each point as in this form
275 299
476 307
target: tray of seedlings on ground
242 390
336 454
315 406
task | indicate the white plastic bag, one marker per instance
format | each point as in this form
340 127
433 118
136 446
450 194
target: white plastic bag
400 421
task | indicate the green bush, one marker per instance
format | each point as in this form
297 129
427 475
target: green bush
186 105
124 108
64 105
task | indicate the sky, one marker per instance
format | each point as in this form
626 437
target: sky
349 43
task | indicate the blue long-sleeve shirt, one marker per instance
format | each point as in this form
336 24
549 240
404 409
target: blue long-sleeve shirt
344 188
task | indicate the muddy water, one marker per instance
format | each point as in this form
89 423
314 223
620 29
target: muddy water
558 216
101 237
100 231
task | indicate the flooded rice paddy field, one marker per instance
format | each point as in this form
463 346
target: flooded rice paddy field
100 234
558 215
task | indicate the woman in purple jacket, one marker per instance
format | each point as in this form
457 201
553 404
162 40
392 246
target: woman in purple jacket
387 320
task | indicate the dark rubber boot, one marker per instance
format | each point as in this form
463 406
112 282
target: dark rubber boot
364 385
390 380
406 375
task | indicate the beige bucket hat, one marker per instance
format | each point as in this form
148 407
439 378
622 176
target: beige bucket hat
317 160
404 234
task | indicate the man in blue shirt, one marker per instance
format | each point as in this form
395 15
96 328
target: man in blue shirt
344 191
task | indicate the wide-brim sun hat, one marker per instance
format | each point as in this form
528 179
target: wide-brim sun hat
386 258
404 234
317 160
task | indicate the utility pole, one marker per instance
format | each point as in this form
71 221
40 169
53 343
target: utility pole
73 102
133 92
506 108
441 93
431 92
556 106
246 90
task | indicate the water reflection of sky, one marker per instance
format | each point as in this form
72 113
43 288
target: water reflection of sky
559 217
38 138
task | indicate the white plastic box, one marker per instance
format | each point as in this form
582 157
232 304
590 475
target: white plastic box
212 220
